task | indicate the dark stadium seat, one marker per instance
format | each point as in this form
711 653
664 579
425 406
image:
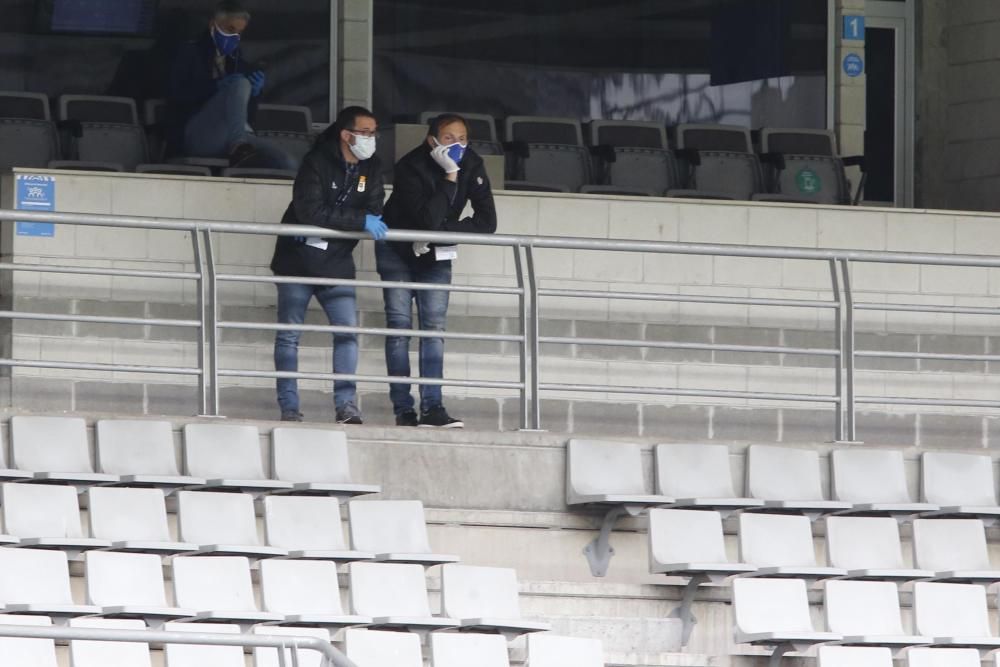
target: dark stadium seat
718 161
285 126
106 131
631 157
546 153
804 164
27 133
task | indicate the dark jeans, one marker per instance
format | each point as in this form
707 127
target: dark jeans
432 313
221 124
339 304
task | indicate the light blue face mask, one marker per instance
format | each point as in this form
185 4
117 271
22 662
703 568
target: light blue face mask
225 42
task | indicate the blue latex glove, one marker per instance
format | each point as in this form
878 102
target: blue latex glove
257 80
228 79
375 226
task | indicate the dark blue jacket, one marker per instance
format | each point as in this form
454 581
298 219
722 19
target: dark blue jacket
192 83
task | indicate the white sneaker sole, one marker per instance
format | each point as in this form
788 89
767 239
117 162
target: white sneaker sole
455 425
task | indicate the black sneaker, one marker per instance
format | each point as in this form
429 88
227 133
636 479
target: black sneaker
349 414
407 418
439 417
240 154
291 416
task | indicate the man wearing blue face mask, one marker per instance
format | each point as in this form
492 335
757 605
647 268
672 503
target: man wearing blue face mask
213 95
431 186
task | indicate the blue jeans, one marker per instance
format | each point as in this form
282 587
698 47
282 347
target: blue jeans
221 124
339 304
432 312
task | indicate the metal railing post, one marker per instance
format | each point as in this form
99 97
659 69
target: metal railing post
533 325
838 336
522 318
845 270
212 316
203 383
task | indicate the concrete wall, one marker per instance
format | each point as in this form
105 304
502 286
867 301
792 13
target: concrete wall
958 104
354 64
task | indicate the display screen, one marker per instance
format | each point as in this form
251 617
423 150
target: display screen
100 17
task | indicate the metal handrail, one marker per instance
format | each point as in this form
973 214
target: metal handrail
331 656
529 295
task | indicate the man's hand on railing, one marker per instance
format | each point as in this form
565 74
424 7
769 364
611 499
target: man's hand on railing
375 226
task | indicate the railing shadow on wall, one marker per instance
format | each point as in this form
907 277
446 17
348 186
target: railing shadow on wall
529 296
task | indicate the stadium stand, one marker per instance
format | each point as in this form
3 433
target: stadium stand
699 476
953 615
269 657
316 462
874 481
459 650
219 587
853 656
868 548
484 599
141 453
306 593
382 649
45 516
781 545
804 164
788 479
954 550
194 655
232 450
546 154
960 484
867 613
285 126
132 520
394 530
129 585
27 133
394 595
775 613
84 653
631 158
54 450
37 582
221 523
20 651
308 528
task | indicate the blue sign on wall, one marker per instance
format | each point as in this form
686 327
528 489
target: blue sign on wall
853 65
854 27
35 193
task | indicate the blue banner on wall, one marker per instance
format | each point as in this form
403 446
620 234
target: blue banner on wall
35 193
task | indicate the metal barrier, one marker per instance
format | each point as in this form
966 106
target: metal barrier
283 643
529 295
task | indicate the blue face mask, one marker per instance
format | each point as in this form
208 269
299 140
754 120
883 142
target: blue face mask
456 151
225 42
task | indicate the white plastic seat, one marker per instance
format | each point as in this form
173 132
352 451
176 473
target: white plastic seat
867 613
699 475
943 657
129 585
36 581
853 656
141 452
484 598
374 648
959 484
781 545
54 449
868 548
221 523
953 549
775 612
315 461
873 481
689 543
304 592
202 655
548 650
133 520
393 530
953 615
228 457
7 473
393 595
607 475
45 516
18 651
308 528
787 478
219 587
461 650
89 653
268 657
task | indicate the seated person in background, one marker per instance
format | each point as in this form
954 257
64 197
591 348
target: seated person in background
432 185
338 187
213 94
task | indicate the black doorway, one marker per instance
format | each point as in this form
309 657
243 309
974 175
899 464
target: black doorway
880 115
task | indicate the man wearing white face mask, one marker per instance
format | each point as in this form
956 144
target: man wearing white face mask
432 185
213 94
338 187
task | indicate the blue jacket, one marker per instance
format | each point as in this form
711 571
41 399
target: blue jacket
192 83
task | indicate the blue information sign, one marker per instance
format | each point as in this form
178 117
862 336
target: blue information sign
854 27
853 65
35 193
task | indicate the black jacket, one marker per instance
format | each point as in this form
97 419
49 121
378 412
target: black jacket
422 198
193 82
327 195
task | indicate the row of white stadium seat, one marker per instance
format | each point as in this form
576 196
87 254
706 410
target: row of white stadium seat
142 452
293 592
775 612
691 542
366 648
863 480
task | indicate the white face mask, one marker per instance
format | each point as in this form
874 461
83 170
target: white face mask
363 147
